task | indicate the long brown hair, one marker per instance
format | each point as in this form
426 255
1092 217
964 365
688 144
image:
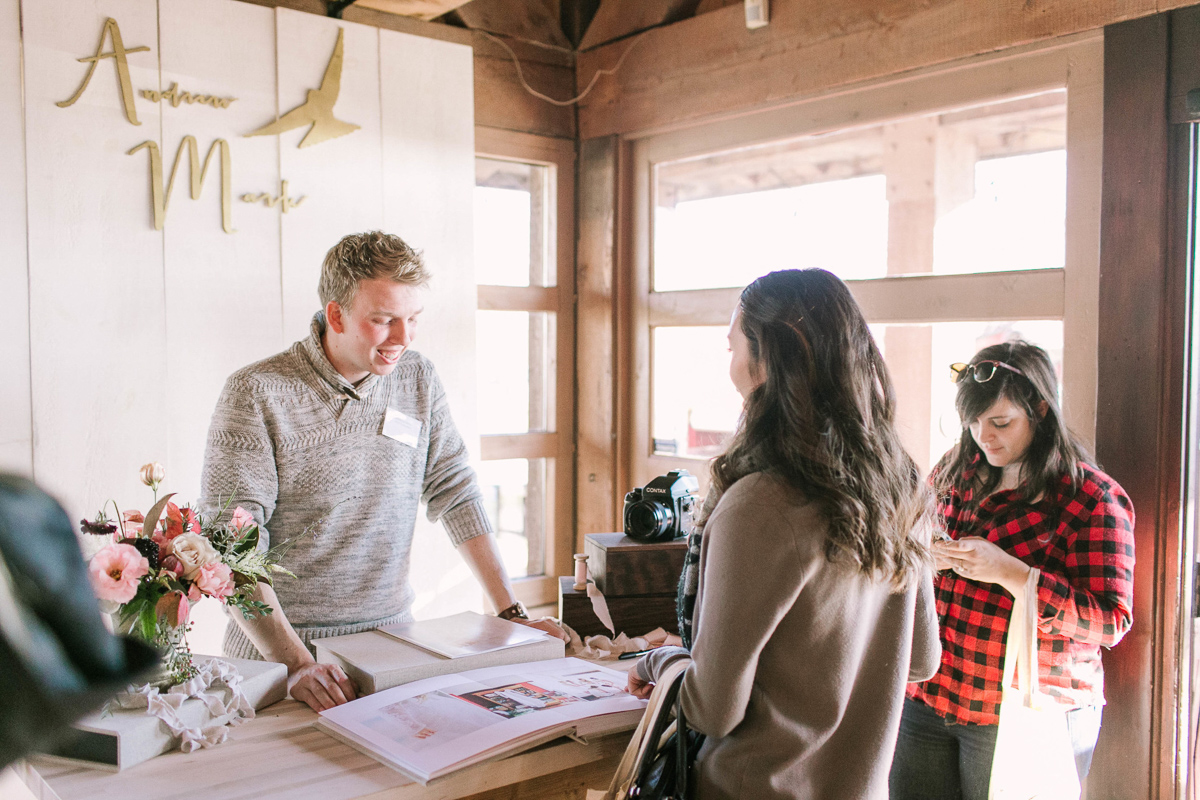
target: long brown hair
1055 451
823 422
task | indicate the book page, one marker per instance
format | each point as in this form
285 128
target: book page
428 727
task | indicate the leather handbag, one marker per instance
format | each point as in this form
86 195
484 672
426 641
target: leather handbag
1034 758
659 762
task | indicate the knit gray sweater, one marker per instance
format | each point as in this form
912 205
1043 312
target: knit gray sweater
302 449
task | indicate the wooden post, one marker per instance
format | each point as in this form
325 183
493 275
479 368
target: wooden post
595 354
1138 414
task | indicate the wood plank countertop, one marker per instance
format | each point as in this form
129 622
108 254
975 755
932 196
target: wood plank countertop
279 754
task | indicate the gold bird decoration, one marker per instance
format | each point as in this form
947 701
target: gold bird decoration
317 109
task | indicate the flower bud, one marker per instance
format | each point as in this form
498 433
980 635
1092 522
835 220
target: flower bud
153 474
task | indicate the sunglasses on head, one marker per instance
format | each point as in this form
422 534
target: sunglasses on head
981 371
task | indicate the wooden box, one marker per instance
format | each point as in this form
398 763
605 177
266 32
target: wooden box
130 736
377 661
634 615
622 566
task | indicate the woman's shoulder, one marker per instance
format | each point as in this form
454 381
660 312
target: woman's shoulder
1098 487
763 496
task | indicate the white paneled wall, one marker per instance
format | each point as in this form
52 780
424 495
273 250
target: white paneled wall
222 290
132 331
16 432
428 174
341 177
97 324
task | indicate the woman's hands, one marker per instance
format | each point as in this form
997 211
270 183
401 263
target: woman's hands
637 687
983 561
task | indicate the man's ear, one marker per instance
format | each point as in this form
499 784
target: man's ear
334 318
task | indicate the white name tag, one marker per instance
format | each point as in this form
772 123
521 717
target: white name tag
401 427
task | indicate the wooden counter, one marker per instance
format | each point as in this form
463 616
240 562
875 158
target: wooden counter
280 755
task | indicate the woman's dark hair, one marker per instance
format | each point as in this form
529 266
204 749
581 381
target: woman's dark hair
1053 454
822 421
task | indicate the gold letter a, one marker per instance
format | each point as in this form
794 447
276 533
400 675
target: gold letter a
110 30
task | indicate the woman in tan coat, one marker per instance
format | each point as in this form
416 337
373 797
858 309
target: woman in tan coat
814 602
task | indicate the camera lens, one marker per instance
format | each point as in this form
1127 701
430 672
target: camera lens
648 520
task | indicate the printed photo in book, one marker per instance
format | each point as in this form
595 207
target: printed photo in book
429 727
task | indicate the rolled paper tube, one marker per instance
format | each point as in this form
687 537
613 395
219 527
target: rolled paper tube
581 571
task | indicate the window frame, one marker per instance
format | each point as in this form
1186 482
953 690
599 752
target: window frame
559 156
1070 294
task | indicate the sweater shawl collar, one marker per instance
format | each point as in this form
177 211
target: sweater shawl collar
333 380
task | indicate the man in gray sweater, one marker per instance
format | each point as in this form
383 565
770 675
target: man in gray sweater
333 443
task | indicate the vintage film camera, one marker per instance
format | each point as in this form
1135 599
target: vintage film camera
665 509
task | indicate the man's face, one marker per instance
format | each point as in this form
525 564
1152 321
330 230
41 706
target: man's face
371 335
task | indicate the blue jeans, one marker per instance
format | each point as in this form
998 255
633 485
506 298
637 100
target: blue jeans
940 760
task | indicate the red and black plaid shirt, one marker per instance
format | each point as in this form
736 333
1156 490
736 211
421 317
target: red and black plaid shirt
1083 544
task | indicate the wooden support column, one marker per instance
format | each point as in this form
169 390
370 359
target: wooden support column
1138 414
597 464
542 368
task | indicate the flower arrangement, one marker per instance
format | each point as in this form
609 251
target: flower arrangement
154 566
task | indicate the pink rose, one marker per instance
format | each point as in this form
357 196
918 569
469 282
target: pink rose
241 520
215 580
115 572
172 563
175 608
194 594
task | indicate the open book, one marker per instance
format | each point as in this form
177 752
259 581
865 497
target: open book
434 726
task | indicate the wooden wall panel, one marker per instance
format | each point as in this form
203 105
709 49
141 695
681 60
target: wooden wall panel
16 427
222 290
428 157
595 358
1137 428
711 65
334 206
96 263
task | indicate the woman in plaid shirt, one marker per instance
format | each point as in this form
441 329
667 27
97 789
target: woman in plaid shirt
1019 492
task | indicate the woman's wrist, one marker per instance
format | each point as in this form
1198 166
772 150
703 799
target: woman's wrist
1016 576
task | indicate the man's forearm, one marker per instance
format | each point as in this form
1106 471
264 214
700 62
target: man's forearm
483 557
273 635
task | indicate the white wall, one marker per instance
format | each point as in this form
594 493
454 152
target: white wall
130 331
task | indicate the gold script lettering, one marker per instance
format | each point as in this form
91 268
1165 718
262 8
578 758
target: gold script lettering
160 196
110 31
282 200
176 97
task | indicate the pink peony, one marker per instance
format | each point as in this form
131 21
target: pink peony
215 580
175 608
115 572
241 519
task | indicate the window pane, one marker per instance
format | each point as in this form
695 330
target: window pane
919 359
516 363
519 496
979 189
695 406
513 242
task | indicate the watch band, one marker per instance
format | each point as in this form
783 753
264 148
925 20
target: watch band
515 611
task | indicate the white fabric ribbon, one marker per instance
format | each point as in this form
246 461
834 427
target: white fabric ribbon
613 646
226 707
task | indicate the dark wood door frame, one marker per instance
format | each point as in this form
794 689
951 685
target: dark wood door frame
1139 421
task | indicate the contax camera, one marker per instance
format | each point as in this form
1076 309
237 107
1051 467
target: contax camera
664 509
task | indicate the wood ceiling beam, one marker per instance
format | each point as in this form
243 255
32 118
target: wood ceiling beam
421 9
710 65
617 19
528 20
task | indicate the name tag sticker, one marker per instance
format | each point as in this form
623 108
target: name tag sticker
401 427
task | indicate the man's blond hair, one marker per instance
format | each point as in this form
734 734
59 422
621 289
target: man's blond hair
364 256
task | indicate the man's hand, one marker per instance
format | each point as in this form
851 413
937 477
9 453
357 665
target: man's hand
321 686
547 624
637 687
980 560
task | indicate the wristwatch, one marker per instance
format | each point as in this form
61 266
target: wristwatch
515 611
